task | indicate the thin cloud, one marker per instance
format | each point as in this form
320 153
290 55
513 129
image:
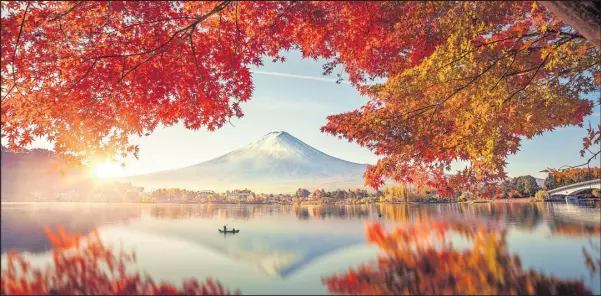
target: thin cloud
298 76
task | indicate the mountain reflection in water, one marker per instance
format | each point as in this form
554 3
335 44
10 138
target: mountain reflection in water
288 249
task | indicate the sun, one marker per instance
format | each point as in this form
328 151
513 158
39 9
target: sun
108 170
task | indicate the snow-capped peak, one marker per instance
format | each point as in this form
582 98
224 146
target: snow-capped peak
281 144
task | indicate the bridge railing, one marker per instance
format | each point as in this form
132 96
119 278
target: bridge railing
575 185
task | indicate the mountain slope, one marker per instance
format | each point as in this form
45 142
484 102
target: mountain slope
278 162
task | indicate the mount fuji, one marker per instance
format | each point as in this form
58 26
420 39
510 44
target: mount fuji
277 163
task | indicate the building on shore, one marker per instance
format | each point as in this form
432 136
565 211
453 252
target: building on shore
240 195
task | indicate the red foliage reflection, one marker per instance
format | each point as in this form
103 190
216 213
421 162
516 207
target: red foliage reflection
419 259
85 266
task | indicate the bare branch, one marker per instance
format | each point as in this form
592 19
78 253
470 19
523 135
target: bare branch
566 167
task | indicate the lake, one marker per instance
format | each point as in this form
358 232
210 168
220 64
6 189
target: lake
288 249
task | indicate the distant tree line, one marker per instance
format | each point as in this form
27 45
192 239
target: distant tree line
181 196
522 186
342 194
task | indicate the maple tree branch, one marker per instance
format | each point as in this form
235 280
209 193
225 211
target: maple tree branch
194 54
535 72
60 28
219 31
579 69
195 60
66 12
521 72
273 23
513 58
108 17
237 31
437 105
161 20
589 150
573 35
217 9
473 79
78 80
15 53
143 52
484 44
505 72
136 66
456 91
566 167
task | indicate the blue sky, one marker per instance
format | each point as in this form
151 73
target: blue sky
295 97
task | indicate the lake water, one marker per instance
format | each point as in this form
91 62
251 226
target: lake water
288 249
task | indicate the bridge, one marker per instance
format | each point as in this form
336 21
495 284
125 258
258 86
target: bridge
572 189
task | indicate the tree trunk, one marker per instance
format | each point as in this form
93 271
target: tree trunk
584 16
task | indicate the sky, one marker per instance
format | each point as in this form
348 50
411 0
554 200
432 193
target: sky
296 98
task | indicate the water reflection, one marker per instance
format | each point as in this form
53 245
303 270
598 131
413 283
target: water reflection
22 226
245 212
562 219
525 216
287 249
411 264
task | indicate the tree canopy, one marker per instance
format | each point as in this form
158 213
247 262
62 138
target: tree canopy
464 80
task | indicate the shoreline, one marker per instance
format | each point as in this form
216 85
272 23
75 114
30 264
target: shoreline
479 201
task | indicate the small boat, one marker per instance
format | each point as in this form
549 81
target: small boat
229 231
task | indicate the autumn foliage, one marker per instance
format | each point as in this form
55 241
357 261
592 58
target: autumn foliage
87 75
464 80
559 178
500 72
577 174
419 259
86 266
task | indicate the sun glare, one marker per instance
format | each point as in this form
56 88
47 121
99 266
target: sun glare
108 170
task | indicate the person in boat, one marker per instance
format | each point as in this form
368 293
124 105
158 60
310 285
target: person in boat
234 230
225 228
